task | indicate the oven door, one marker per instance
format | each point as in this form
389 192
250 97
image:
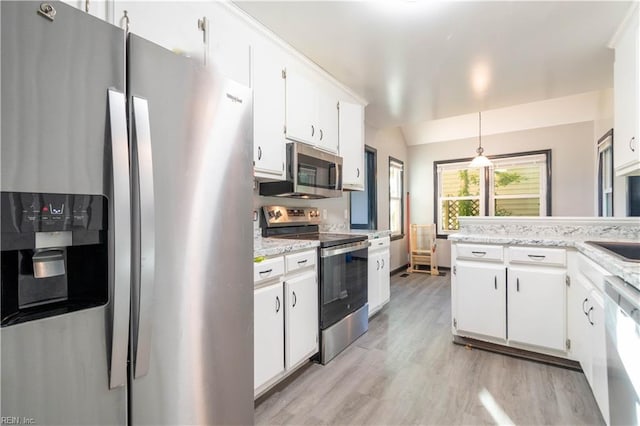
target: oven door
343 281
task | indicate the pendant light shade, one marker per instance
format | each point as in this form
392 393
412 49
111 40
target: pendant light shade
480 160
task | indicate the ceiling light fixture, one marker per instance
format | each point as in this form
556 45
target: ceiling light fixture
480 160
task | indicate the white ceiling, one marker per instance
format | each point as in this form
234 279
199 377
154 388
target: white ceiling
418 60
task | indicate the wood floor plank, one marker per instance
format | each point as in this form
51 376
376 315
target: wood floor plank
406 371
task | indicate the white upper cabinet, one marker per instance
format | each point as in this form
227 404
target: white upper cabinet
172 25
626 73
311 114
268 112
327 139
194 29
98 8
351 138
301 109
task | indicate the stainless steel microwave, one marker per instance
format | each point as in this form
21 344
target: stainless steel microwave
310 173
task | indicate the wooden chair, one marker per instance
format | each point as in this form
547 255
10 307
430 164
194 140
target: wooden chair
422 243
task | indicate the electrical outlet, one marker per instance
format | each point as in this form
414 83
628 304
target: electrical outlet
255 215
324 214
346 214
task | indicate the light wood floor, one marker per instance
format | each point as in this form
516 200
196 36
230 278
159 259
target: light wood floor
406 370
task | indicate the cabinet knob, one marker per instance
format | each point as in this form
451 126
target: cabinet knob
378 265
259 153
589 315
357 172
584 302
321 134
313 130
277 304
631 147
295 299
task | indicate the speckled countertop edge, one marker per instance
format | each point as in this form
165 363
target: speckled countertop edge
263 246
371 233
628 271
277 246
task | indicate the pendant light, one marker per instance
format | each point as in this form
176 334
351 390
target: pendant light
480 160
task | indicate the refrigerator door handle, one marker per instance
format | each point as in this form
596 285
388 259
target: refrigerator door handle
143 163
120 241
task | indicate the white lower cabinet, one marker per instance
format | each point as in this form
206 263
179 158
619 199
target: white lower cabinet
378 274
587 329
268 332
481 304
301 318
537 298
285 316
514 299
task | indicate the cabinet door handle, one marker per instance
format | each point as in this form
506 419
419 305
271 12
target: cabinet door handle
495 282
584 302
321 134
382 267
295 299
259 153
537 256
302 262
478 253
313 130
357 171
268 271
631 144
378 265
517 284
589 315
277 304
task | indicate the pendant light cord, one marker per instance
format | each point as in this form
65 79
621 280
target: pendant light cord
480 129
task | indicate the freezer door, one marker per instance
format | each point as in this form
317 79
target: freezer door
192 347
57 118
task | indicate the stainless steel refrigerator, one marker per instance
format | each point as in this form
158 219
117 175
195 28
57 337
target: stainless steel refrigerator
126 291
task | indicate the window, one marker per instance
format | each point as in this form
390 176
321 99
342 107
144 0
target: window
605 174
516 185
396 198
363 203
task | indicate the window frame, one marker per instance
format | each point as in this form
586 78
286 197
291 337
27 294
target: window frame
603 144
371 187
486 190
402 224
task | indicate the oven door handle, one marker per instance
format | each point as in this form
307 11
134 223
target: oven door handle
344 248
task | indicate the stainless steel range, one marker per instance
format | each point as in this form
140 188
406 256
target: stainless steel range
342 260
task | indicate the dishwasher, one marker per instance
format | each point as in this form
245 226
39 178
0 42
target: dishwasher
622 325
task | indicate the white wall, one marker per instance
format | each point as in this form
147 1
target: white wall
573 169
389 142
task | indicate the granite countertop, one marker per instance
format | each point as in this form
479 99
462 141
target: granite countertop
371 233
263 246
628 271
277 246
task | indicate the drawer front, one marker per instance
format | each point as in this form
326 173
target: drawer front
301 260
538 255
268 269
380 243
480 252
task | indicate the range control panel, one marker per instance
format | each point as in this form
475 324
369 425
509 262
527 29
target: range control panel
291 216
24 212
